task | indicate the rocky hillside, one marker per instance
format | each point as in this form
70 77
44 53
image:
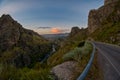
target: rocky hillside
20 46
78 34
104 23
109 1
74 31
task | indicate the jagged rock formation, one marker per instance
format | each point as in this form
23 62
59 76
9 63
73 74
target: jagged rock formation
97 17
20 46
77 34
74 31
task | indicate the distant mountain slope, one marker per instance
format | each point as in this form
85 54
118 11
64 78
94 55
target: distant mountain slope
20 46
55 36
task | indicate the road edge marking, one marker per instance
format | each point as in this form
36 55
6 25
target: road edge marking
109 62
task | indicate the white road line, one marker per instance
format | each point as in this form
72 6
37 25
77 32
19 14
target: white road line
110 62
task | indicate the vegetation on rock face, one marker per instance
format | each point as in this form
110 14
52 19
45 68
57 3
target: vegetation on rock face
78 53
10 72
109 31
20 46
20 52
78 35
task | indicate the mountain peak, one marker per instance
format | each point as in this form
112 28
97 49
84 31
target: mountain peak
6 21
6 17
20 43
74 30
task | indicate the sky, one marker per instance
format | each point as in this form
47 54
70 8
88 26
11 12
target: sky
50 16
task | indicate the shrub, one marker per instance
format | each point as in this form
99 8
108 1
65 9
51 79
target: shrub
9 72
81 44
78 53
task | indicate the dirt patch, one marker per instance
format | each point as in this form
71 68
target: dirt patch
95 72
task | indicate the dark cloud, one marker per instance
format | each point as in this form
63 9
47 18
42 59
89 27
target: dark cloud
44 27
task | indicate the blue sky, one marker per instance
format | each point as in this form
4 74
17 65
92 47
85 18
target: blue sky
60 15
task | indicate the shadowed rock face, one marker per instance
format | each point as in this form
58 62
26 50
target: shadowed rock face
9 32
20 46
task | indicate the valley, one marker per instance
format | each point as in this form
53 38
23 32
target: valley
91 52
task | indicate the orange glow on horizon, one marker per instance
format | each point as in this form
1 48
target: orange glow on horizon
55 30
52 30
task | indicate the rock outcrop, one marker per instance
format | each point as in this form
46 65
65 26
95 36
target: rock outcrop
74 31
65 70
77 34
99 16
104 23
18 45
109 1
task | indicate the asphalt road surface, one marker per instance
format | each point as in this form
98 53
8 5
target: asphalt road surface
109 60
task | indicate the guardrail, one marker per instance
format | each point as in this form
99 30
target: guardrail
87 68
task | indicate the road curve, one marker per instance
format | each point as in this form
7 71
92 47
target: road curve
109 60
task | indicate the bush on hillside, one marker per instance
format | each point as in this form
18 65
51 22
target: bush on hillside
78 53
10 72
81 44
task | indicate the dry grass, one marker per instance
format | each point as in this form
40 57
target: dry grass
95 73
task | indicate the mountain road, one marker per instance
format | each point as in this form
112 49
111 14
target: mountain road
109 60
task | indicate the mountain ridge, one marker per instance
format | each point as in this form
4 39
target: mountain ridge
20 44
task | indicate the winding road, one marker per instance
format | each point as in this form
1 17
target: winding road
109 60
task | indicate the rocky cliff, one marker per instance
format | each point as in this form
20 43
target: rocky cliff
18 45
109 1
99 16
104 23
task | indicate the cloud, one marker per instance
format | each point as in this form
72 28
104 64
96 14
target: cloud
44 27
62 13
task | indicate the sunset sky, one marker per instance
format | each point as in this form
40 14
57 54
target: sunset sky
49 16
